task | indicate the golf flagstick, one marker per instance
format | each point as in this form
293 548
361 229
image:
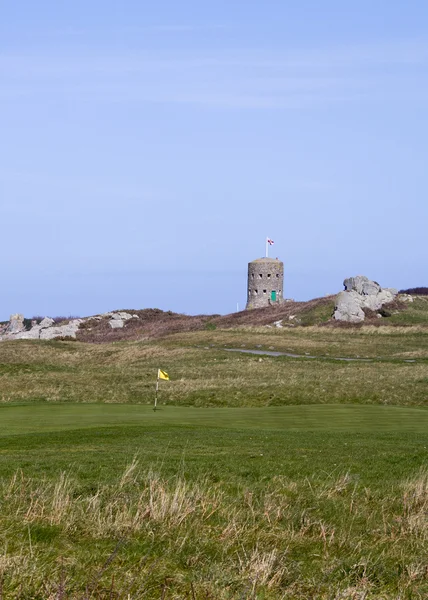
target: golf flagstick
156 392
161 375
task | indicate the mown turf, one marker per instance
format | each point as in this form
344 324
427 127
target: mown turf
28 419
305 438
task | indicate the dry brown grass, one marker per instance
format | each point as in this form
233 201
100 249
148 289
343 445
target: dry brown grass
243 542
203 374
154 323
415 501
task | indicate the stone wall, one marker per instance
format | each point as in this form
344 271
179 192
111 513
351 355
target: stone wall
265 275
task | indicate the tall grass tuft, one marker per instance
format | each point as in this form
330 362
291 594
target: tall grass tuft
148 536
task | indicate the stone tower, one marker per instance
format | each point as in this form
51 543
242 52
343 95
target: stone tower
265 282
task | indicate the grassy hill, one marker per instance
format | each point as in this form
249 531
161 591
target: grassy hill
154 323
204 373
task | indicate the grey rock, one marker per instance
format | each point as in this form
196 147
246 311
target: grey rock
116 323
47 322
16 324
362 285
360 292
384 297
348 307
33 334
69 330
125 316
371 288
120 316
350 285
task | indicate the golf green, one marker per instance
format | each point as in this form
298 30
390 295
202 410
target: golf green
18 419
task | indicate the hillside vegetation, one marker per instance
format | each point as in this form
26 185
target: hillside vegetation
390 367
155 323
417 291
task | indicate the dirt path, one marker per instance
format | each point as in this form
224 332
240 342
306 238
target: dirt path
309 356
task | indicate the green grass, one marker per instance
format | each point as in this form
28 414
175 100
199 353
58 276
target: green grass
258 477
316 315
305 438
274 502
203 374
27 419
416 312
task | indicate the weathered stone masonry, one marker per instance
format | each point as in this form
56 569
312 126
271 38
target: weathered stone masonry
265 282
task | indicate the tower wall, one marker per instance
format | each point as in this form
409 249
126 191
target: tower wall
265 276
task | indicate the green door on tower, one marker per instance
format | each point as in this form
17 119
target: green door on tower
273 296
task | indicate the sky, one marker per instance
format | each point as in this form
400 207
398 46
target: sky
147 149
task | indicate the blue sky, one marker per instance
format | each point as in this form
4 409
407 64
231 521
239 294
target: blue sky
148 148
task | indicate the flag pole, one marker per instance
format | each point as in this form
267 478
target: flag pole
156 392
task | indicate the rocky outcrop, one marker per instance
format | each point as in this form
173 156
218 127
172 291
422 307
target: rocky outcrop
118 319
124 316
47 329
68 330
360 292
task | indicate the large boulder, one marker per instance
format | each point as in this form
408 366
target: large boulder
348 307
16 324
46 322
32 334
360 292
69 330
122 316
362 285
47 330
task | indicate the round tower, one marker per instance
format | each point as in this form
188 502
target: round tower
265 282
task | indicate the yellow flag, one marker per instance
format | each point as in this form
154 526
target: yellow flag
163 375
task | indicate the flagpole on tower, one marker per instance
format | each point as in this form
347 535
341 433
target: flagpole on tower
269 242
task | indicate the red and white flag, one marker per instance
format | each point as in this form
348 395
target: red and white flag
269 241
